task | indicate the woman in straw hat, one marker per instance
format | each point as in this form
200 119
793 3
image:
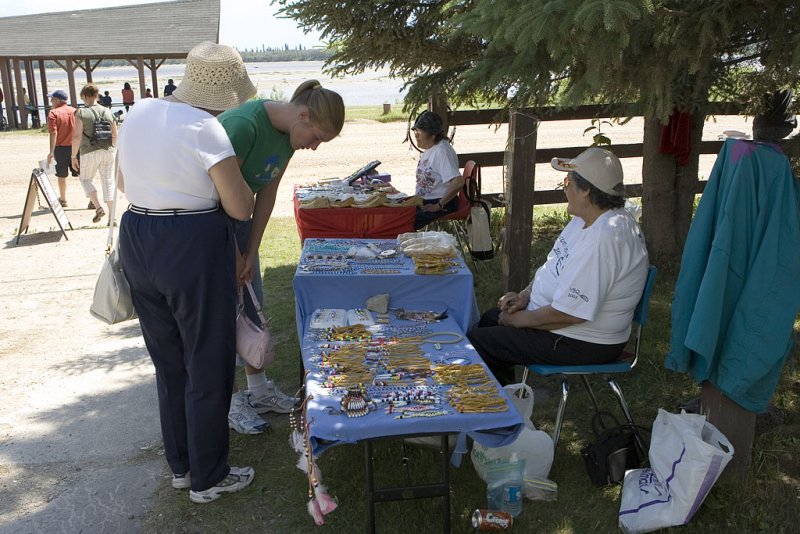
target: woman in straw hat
177 249
265 135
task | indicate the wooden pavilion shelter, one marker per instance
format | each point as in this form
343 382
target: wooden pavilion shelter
145 35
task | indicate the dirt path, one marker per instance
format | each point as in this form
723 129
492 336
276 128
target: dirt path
79 435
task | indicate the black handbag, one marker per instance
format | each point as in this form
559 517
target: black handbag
614 450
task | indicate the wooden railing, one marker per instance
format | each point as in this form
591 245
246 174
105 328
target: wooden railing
520 197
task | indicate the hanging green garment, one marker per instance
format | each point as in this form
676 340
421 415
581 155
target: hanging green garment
738 291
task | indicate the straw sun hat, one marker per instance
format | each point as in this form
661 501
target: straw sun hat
215 78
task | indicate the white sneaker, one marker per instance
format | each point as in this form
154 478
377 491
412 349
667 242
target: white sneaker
183 481
239 478
242 418
272 400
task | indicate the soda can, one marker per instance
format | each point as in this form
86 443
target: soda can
491 520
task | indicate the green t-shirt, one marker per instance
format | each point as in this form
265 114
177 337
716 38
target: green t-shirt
265 152
85 117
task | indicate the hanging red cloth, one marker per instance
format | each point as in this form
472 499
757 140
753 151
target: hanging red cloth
676 137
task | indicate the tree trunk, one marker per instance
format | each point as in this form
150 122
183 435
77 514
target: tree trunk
668 192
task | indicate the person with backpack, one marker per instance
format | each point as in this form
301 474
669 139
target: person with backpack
95 137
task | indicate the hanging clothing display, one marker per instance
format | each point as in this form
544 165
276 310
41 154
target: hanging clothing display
676 137
738 291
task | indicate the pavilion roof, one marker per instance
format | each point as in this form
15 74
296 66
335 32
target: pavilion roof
163 29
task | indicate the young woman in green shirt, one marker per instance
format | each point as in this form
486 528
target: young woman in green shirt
265 135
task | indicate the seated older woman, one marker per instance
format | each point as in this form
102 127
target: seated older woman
438 177
578 308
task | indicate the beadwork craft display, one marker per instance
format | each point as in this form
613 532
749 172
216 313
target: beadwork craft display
371 257
336 194
360 316
328 318
415 374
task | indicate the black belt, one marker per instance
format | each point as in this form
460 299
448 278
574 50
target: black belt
169 212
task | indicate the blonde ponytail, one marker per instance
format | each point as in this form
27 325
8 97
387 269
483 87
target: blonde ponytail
325 107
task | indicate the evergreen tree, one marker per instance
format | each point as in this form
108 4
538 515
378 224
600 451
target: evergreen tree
659 54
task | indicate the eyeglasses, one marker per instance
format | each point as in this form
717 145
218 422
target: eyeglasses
564 184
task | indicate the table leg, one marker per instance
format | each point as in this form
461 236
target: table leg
370 488
423 491
444 452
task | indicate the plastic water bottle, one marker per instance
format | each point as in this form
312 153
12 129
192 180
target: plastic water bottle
512 488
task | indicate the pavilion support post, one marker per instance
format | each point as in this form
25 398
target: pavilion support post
87 67
736 423
140 68
8 87
43 79
23 113
438 104
516 260
73 95
154 76
30 77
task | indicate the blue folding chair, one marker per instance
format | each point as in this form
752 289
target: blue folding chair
625 364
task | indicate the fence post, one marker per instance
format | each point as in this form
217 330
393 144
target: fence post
438 104
516 262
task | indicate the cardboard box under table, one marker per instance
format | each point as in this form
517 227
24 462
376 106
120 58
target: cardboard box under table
380 222
329 426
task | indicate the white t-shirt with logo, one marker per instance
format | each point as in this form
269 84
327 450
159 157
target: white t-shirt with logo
597 274
165 152
437 166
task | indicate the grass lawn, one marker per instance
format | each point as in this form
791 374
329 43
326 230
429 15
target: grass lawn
769 501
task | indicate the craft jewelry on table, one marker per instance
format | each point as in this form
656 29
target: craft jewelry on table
379 271
424 316
328 318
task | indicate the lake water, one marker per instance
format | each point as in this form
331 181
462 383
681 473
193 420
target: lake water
272 79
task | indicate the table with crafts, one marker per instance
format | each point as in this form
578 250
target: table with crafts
318 212
404 369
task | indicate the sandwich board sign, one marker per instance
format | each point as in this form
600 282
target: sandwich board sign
40 180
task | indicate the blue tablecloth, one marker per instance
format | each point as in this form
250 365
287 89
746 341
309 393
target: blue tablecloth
350 287
491 429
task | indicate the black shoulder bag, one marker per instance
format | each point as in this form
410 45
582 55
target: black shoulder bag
614 450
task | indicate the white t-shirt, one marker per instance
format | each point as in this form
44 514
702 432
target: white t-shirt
165 151
597 274
437 166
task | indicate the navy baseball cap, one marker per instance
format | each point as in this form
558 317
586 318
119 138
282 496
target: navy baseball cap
60 94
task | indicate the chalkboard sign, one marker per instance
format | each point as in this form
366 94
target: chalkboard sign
40 180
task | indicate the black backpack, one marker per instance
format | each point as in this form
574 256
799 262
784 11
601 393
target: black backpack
101 132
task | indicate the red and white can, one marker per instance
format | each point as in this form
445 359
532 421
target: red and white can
491 520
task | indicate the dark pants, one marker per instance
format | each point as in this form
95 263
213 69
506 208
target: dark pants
503 347
422 218
182 275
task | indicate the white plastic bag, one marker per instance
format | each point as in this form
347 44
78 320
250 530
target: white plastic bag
534 446
687 456
480 237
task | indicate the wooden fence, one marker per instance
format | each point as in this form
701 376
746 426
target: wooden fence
520 196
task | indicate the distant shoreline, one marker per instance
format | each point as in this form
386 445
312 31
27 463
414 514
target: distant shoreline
275 80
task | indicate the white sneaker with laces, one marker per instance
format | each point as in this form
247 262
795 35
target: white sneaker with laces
272 400
238 479
242 418
183 481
